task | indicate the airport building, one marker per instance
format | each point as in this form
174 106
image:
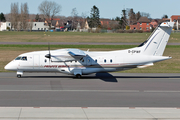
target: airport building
4 26
31 26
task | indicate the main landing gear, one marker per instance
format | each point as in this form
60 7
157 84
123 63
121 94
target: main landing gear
77 72
78 76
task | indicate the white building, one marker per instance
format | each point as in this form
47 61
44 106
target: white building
39 26
4 26
34 26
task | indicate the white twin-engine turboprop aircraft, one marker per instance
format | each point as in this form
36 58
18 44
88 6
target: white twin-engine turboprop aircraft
77 62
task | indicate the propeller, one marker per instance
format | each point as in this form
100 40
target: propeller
48 55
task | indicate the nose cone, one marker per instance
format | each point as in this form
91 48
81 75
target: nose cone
10 66
7 67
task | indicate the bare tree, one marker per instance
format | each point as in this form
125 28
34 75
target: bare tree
114 24
14 15
138 15
49 9
30 25
24 16
74 15
132 16
84 18
143 14
74 12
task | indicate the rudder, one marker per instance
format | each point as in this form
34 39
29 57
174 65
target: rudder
156 43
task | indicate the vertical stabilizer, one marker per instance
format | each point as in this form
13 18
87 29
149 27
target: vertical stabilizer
156 43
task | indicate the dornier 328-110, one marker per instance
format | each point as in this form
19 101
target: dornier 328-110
77 62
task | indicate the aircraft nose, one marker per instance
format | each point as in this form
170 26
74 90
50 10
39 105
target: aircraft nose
10 66
7 67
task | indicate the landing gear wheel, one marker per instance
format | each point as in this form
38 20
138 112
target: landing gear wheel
78 76
19 76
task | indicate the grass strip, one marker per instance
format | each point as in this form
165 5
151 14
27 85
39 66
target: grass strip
71 46
80 46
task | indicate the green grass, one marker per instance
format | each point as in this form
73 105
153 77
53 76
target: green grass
14 36
9 52
66 46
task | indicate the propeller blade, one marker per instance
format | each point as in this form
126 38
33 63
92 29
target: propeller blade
48 55
49 48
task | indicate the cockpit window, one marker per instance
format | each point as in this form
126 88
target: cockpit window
24 58
18 58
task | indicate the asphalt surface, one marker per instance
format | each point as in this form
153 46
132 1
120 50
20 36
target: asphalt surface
96 90
71 43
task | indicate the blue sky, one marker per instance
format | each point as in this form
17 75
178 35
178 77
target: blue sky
108 8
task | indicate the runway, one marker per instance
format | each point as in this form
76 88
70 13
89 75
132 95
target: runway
96 90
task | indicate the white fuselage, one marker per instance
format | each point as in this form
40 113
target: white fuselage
93 62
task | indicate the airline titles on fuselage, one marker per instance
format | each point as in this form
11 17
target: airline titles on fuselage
55 66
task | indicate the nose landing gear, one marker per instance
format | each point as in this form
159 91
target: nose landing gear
19 74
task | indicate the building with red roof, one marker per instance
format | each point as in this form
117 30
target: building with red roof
142 24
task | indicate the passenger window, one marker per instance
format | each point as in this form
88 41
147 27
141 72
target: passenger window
111 60
88 60
18 58
24 58
105 60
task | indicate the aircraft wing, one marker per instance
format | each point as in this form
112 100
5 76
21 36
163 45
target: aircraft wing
76 53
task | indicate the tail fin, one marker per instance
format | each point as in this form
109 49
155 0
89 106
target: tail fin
157 41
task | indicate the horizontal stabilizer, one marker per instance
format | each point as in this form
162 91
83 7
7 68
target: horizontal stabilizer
166 24
145 65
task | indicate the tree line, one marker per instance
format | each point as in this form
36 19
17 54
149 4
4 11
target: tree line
49 9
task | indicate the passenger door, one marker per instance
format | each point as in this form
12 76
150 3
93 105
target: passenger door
36 62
